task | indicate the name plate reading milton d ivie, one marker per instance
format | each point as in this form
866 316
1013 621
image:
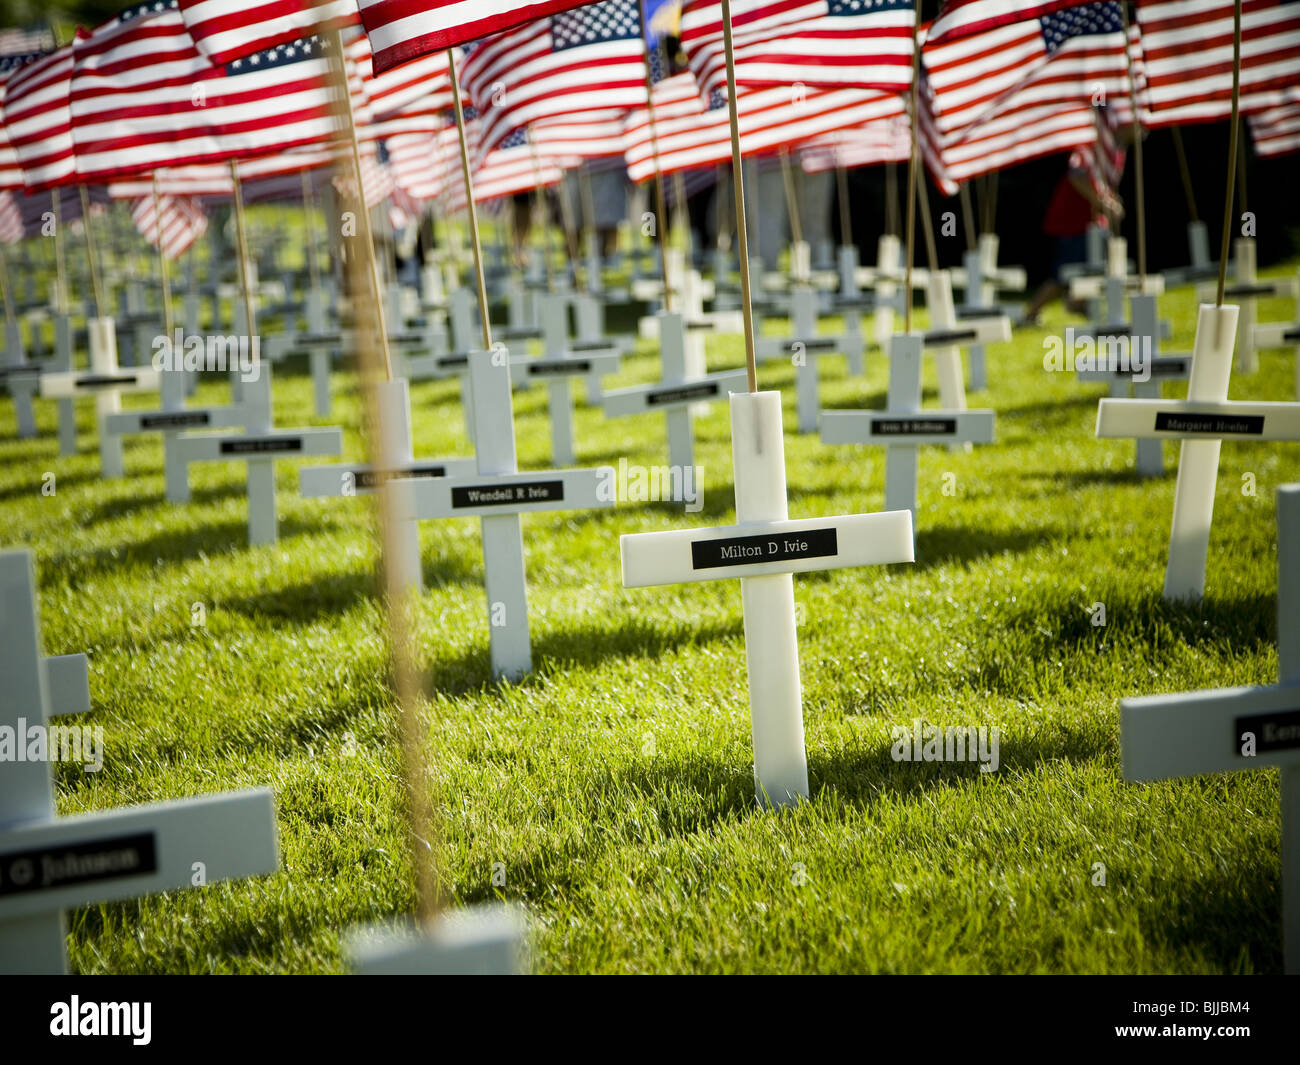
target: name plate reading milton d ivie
188 419
660 397
260 445
1275 731
753 550
502 495
50 868
913 426
1211 424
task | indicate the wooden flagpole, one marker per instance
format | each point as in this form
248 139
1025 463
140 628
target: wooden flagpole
241 245
791 199
95 287
738 189
912 169
1225 247
1138 175
661 212
308 210
60 267
541 220
471 208
846 217
162 261
968 216
1185 174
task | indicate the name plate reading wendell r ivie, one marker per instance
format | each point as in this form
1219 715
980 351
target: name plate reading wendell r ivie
1277 731
1213 424
752 550
258 445
913 426
50 868
678 395
501 495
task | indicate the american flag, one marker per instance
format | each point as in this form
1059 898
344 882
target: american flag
691 135
401 30
960 18
1056 61
416 165
865 44
407 99
590 59
881 141
144 97
38 121
25 42
212 180
226 30
11 218
11 174
1276 129
589 135
516 166
375 178
183 222
1188 49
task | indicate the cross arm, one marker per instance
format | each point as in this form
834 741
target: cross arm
315 482
69 385
1175 419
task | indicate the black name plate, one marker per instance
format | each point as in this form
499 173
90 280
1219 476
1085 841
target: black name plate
504 495
1277 731
180 420
558 367
749 550
682 395
261 445
913 426
50 868
106 381
949 336
452 360
1213 424
373 478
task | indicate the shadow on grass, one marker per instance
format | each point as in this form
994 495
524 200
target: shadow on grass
943 544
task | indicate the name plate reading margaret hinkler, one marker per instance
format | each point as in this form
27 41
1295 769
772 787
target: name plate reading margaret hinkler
187 419
754 550
106 381
1277 731
686 393
558 367
54 867
504 495
1210 424
913 426
260 445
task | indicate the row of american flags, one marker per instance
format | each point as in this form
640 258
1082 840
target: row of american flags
168 92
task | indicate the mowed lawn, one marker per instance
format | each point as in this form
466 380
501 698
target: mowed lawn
612 789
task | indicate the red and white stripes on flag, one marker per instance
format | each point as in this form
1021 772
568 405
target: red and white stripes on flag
883 141
144 97
414 160
864 44
691 135
183 221
410 98
1187 45
226 30
11 174
11 218
401 30
1053 62
1276 129
960 18
375 178
212 180
38 121
589 59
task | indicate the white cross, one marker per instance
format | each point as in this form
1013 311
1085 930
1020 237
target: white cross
498 494
21 378
805 348
885 279
764 548
1232 729
558 364
50 863
1201 422
394 421
981 278
677 395
107 383
258 447
1245 290
903 426
485 940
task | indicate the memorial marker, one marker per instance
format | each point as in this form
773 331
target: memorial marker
903 426
49 863
1233 729
259 447
764 549
1281 335
1246 289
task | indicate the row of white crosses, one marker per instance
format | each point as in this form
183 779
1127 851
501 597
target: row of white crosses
48 863
1235 729
1246 290
1202 422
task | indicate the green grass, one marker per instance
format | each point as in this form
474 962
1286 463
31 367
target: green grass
615 783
